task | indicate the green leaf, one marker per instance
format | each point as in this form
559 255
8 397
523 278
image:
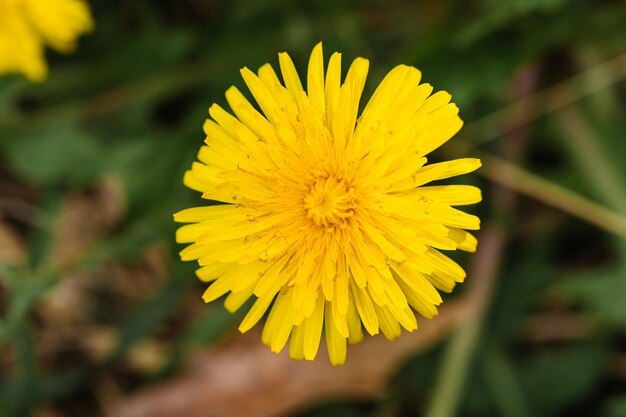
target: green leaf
27 388
562 377
529 274
503 382
19 396
499 15
64 154
147 317
603 293
26 288
211 324
10 88
615 407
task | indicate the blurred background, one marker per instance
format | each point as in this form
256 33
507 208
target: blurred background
98 317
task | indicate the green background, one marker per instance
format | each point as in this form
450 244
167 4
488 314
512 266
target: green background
91 166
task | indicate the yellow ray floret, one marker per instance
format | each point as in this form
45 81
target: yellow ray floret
27 26
324 218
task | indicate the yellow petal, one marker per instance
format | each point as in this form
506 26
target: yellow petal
313 330
60 23
365 308
235 300
213 271
354 324
388 323
335 343
279 323
256 312
296 343
454 195
315 80
290 75
333 82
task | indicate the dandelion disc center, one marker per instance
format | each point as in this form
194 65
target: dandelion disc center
329 202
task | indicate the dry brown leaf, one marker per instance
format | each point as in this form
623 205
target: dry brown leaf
84 217
12 248
246 379
138 280
551 327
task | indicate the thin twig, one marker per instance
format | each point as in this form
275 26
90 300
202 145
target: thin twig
458 357
547 101
501 379
517 179
460 351
598 169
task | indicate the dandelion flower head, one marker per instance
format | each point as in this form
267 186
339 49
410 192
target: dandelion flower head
324 217
27 26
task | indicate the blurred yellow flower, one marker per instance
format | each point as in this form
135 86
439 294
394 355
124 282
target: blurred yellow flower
27 26
327 219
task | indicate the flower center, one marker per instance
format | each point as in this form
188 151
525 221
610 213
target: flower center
330 202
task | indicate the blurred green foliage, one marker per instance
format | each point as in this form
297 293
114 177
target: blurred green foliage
129 105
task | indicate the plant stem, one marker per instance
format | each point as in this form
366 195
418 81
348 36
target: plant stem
458 356
547 101
524 182
584 146
501 380
455 366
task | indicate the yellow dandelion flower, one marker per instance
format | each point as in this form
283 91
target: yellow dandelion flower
27 26
328 223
